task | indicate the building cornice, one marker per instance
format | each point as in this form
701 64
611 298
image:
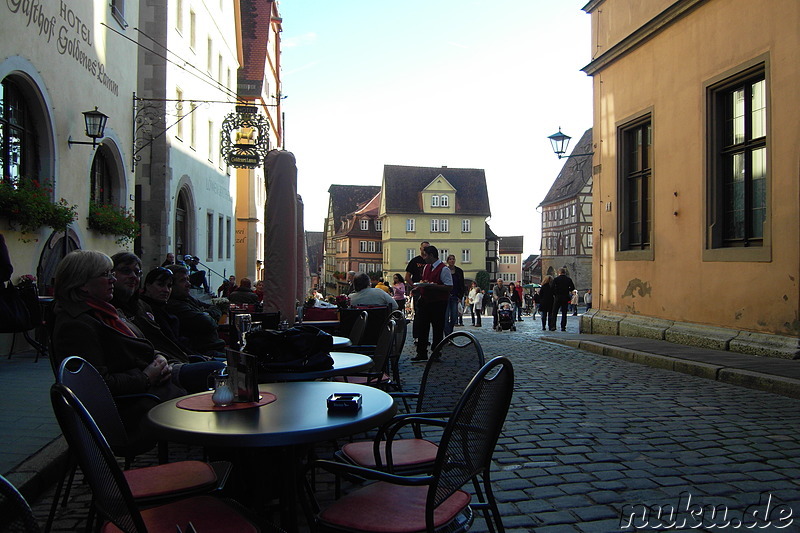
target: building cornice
672 14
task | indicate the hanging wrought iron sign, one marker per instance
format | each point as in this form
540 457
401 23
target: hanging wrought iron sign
244 139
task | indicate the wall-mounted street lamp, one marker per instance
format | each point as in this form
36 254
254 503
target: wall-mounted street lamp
560 141
95 127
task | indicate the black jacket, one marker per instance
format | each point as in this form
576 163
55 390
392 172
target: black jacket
546 297
563 286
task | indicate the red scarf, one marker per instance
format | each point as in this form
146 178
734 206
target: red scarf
107 314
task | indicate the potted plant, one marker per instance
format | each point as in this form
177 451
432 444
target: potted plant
113 220
28 204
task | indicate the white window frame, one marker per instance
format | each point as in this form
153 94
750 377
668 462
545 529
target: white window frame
364 224
378 225
411 253
435 200
445 201
466 255
434 225
466 226
362 246
371 246
443 253
444 224
411 224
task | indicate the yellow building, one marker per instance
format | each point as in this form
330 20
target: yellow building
696 190
447 207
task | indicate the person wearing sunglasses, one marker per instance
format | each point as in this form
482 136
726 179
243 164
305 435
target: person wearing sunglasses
189 371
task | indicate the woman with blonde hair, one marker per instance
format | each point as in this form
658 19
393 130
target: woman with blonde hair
546 300
87 325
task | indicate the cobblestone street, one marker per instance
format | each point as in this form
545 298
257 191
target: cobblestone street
594 444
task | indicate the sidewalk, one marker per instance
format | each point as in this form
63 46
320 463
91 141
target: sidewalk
779 376
571 410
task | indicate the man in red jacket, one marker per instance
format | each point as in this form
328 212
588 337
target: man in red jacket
434 292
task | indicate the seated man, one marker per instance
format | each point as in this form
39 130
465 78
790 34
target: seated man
366 295
198 321
244 294
197 277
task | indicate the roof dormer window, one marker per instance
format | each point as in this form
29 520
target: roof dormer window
435 200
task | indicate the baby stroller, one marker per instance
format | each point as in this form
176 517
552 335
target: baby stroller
505 314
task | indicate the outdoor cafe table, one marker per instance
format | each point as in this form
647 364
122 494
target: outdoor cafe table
298 417
341 341
344 364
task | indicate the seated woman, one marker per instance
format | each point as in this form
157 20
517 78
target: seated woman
87 325
155 293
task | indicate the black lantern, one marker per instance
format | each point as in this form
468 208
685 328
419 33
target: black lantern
560 141
95 127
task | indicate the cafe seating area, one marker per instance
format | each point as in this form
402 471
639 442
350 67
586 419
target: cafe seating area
332 450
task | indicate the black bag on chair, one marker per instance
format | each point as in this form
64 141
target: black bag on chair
297 349
15 310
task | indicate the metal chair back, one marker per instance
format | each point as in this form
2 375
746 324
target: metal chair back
470 437
17 514
89 386
359 327
383 351
112 496
450 368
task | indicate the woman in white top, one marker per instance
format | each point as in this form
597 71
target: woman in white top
477 306
473 290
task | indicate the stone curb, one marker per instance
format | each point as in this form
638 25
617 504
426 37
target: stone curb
780 385
41 471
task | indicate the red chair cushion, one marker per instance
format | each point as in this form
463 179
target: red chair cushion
405 452
204 512
170 478
387 508
320 313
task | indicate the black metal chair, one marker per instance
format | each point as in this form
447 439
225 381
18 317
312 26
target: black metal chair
400 331
111 492
378 375
15 512
148 485
453 364
359 327
434 501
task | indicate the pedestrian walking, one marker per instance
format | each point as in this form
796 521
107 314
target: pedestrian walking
562 291
546 303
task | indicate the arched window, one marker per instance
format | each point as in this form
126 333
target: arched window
445 200
103 178
18 147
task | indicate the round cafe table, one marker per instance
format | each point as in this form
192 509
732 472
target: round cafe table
341 341
344 364
296 419
299 415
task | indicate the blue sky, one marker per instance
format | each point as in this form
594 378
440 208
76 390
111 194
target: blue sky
431 83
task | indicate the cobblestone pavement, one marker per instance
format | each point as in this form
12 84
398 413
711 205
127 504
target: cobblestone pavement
594 444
